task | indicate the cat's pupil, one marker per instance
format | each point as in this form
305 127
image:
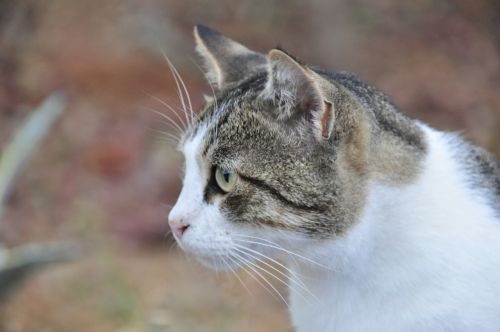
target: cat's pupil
226 176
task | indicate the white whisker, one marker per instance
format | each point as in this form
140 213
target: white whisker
166 117
249 264
236 274
167 134
171 109
295 274
209 83
178 79
169 141
179 92
290 286
278 247
186 92
244 268
297 281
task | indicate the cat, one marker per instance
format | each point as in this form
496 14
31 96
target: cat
382 222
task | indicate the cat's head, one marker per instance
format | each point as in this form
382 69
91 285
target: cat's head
277 157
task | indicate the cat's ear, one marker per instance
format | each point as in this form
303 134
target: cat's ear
226 61
298 91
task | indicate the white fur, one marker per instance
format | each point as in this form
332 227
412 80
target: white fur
423 257
207 237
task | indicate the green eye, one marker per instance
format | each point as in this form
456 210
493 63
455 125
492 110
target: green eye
226 180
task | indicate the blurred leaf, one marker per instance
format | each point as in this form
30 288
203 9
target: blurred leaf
27 140
18 263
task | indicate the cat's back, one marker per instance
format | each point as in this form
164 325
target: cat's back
480 167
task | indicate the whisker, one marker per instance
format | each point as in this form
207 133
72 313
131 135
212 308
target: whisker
236 274
186 92
167 233
171 109
209 84
290 286
293 258
260 267
297 275
178 79
173 244
169 141
179 93
166 134
278 247
249 264
166 117
298 282
244 268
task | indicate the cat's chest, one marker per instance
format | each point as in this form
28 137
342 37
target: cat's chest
339 305
404 287
343 306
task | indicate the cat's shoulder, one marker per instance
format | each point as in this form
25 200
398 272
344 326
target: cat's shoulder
481 167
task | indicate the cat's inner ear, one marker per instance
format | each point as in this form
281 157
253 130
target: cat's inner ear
225 60
300 93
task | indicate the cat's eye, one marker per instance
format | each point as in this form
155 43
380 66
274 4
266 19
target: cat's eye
226 180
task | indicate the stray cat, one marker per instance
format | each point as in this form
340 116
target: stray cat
383 223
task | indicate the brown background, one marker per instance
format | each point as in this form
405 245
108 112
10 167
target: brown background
105 176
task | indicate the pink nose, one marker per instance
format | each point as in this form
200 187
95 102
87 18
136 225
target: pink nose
178 227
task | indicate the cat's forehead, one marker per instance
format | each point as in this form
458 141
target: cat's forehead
222 135
228 115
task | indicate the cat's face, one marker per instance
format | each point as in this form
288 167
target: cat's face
268 161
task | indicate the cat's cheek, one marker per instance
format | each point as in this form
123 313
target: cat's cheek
207 238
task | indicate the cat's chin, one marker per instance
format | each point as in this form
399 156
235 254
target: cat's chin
218 262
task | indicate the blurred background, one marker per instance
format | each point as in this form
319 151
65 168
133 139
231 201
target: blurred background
105 176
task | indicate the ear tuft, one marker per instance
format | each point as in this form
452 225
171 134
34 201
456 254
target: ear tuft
205 39
205 33
279 54
226 61
281 49
299 91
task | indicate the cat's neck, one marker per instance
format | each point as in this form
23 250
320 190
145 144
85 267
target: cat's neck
409 240
405 219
